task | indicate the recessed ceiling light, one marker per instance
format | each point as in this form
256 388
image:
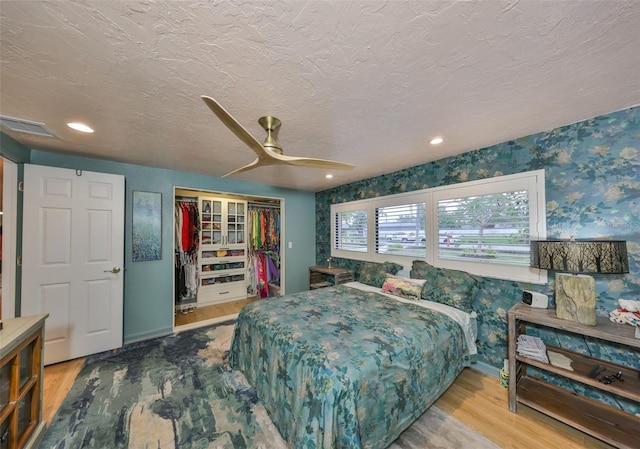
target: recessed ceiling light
80 127
436 140
329 176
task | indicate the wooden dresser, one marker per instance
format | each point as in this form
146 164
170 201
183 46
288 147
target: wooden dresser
21 375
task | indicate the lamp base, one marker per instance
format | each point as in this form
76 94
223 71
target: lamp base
576 298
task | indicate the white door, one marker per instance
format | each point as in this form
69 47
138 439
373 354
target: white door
72 258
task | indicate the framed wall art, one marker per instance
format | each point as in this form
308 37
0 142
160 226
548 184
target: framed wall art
147 226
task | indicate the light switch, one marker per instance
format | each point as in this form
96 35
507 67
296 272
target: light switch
290 245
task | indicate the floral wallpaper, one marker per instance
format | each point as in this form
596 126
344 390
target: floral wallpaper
592 191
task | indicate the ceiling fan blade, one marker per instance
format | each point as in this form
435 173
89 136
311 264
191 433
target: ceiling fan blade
273 155
235 127
254 164
311 162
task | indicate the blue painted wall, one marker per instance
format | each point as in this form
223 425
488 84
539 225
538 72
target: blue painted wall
12 150
148 291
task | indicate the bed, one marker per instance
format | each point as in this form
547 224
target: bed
349 366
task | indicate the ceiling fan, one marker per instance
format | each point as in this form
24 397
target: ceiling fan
269 152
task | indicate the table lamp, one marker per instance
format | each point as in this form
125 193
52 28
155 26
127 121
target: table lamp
575 293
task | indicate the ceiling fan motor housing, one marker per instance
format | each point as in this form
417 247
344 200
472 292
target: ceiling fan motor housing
271 125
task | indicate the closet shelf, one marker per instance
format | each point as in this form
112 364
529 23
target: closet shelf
222 259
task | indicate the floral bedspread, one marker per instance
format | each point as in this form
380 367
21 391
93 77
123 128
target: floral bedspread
338 367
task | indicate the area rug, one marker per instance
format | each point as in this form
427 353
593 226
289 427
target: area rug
177 392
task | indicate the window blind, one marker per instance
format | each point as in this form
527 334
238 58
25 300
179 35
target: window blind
351 230
485 228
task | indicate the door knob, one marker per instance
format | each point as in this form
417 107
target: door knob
113 270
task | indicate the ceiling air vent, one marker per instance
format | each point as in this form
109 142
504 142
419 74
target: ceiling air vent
26 126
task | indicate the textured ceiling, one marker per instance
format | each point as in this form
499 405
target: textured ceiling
368 82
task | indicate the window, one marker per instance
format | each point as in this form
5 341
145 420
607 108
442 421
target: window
400 230
351 231
483 227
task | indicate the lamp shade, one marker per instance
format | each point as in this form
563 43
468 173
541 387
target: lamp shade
580 256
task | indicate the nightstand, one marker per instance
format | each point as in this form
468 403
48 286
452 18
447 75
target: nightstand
320 276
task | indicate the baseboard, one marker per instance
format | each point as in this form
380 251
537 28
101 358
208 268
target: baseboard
487 369
135 338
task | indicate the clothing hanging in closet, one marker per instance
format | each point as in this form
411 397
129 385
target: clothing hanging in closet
264 228
264 250
187 245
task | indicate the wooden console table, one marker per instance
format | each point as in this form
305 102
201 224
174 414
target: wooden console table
593 417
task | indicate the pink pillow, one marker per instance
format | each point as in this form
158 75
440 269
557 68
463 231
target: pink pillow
403 287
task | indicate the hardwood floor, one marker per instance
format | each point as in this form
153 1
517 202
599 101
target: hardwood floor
475 399
479 401
211 312
58 380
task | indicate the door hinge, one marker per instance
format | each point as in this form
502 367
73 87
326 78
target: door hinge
21 186
19 261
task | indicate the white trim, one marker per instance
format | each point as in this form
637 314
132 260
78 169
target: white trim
487 369
9 237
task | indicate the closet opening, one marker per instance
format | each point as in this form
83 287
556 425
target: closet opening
227 254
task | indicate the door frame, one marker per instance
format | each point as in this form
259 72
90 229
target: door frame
190 191
9 238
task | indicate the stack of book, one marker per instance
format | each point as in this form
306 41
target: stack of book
532 347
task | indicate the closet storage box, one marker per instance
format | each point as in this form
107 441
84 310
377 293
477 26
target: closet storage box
222 257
